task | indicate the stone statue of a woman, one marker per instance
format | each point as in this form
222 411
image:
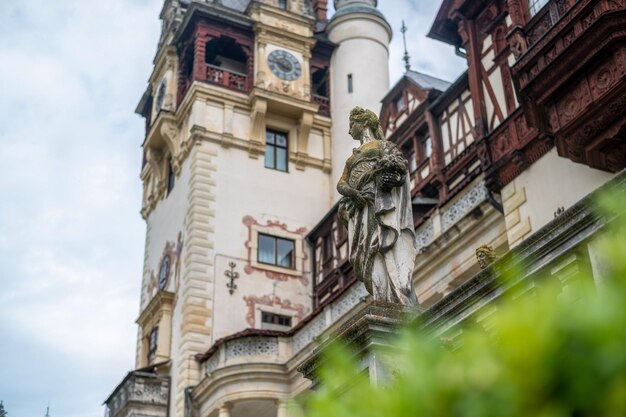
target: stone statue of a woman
376 207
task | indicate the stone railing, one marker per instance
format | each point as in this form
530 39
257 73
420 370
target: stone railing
450 215
139 391
274 347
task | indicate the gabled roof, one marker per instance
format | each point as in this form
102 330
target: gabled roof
428 82
237 5
422 81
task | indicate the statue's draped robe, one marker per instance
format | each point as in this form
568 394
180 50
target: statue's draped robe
382 237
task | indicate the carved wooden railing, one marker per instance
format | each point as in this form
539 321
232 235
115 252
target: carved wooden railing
571 79
547 17
324 103
228 79
332 272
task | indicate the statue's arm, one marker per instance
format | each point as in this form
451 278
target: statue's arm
346 190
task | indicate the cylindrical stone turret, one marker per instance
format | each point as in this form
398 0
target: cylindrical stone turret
359 70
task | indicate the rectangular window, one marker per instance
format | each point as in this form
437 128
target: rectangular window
171 177
535 5
427 147
275 319
276 150
400 104
350 89
282 4
276 251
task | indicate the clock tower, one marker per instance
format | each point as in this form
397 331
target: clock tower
237 170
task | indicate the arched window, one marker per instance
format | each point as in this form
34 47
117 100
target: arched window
226 54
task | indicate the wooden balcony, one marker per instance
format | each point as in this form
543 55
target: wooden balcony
324 103
332 272
228 79
571 79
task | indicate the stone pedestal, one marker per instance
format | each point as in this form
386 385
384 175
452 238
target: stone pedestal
367 335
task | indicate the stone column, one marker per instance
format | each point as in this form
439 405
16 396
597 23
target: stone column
282 409
224 410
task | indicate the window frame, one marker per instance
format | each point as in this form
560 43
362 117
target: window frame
275 146
292 258
535 6
278 318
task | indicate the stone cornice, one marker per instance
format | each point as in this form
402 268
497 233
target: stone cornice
162 301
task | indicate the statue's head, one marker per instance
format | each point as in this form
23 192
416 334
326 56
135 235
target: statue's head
485 255
362 119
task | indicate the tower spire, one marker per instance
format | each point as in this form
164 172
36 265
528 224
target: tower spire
405 58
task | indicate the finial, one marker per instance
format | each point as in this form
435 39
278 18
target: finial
405 58
48 410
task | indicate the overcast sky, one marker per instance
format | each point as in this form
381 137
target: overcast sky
71 237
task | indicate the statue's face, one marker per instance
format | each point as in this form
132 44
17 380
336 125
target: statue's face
482 258
356 130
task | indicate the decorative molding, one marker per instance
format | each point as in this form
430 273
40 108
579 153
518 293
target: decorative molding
299 274
174 251
252 346
463 206
308 333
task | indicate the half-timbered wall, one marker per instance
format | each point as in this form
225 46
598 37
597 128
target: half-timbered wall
457 126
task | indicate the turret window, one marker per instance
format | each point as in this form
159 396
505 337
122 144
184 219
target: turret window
152 344
276 150
171 177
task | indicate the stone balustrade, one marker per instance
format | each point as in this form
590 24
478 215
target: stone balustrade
139 392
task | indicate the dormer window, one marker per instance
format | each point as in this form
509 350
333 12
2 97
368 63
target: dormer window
535 5
400 104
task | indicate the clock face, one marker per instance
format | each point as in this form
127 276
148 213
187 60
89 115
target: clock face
284 65
164 272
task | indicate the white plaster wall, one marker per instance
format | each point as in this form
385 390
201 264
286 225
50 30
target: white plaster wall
244 187
554 182
363 52
166 222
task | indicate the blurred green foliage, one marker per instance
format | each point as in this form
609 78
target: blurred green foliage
551 353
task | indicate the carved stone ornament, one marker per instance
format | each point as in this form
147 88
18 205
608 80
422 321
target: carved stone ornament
376 207
485 255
